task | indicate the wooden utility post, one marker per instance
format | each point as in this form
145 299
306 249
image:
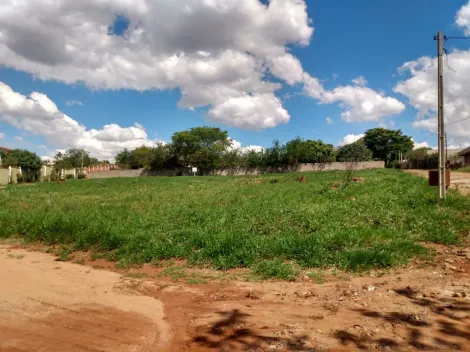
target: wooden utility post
440 116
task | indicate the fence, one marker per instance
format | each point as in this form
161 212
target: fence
45 173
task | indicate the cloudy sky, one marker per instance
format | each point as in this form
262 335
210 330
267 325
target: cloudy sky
111 74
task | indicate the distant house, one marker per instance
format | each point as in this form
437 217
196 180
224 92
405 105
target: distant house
465 156
5 151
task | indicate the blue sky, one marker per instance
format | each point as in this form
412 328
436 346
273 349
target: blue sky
350 39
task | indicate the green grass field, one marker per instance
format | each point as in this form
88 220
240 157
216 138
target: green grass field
229 222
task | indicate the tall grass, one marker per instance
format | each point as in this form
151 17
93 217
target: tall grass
228 222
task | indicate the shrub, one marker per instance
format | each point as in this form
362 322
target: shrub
395 164
351 154
69 177
81 176
354 152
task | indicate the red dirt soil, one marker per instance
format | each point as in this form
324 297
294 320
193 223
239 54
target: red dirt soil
47 305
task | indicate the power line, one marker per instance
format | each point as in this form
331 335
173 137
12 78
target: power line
447 61
425 139
450 123
462 38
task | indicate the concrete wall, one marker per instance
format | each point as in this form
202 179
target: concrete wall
14 175
46 173
233 172
336 166
3 176
138 172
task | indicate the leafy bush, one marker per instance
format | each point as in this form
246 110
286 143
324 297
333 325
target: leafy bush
354 152
395 164
81 176
69 177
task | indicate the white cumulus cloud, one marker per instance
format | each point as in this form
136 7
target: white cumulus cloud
39 115
363 103
350 138
463 18
236 145
2 135
418 145
420 88
360 103
360 81
329 120
217 52
220 54
73 103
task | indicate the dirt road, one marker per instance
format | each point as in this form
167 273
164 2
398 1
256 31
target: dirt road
47 305
459 181
52 306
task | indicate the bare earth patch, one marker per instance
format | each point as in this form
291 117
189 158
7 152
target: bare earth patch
60 306
47 305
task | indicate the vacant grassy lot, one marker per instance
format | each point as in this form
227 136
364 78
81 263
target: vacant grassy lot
228 222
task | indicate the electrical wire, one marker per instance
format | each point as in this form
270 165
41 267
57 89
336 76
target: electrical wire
447 61
464 38
425 139
450 123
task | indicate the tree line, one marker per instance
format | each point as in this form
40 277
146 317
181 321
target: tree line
210 148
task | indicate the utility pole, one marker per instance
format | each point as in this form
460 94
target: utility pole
440 115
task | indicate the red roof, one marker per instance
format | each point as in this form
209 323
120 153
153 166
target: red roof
6 150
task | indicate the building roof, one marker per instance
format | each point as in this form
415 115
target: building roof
464 152
6 150
450 152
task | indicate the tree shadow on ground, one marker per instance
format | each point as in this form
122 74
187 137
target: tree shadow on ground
449 326
231 333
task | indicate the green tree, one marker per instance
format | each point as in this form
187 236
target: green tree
3 155
309 152
202 147
232 159
23 158
255 159
418 154
421 158
276 156
74 159
387 144
143 156
354 152
126 159
161 157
